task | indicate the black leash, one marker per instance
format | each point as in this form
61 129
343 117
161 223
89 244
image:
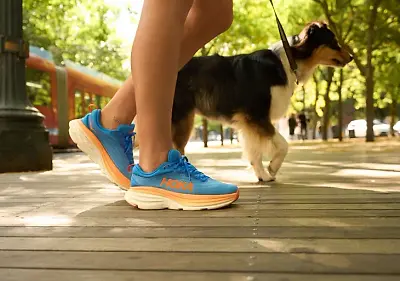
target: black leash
292 62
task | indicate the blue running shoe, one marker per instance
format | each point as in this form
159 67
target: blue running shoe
111 149
177 184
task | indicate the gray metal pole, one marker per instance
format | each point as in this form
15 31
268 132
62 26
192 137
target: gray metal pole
24 142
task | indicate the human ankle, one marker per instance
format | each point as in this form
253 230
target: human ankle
151 162
111 122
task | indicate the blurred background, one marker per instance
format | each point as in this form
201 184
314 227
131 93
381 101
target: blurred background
80 54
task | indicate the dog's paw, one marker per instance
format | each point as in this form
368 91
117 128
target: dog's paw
265 177
265 181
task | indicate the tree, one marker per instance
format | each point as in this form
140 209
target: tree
327 110
77 31
254 28
315 115
358 34
369 71
340 105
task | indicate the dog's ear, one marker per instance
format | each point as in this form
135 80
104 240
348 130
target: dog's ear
312 29
309 32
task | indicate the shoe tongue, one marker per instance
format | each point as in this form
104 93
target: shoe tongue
174 155
126 128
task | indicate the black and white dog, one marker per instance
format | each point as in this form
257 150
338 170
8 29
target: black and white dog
251 91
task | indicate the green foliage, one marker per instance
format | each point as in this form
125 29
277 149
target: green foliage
38 87
373 38
254 25
254 28
77 30
80 30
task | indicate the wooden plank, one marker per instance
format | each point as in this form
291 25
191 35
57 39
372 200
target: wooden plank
280 189
306 206
66 194
52 179
204 232
52 220
6 204
246 197
234 245
106 199
225 213
52 182
328 195
326 200
73 188
96 275
124 206
10 211
77 187
275 232
44 189
42 200
206 262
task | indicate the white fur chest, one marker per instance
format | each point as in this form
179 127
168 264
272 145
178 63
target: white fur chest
280 100
280 96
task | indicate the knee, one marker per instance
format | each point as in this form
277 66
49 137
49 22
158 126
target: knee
213 16
223 16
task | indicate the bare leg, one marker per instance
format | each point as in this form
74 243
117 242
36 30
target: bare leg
155 59
206 19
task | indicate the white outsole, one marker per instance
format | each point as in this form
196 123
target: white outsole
82 141
154 202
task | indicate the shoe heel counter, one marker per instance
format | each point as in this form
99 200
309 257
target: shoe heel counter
133 181
85 120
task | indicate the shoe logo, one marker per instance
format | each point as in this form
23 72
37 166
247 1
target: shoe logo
177 184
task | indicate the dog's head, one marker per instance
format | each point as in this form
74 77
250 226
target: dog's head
317 42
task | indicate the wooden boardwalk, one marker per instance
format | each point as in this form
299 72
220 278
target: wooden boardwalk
334 214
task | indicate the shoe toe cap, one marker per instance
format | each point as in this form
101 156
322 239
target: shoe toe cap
222 188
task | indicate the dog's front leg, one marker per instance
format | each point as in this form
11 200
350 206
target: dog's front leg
253 151
279 150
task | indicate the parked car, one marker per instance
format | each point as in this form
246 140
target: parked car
358 128
396 128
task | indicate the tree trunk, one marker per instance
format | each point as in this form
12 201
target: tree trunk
370 71
315 115
329 78
340 116
205 132
222 134
393 113
231 134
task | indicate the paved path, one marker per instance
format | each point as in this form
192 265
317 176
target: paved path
333 214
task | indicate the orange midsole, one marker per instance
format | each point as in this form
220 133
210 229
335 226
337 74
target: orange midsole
188 198
109 164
